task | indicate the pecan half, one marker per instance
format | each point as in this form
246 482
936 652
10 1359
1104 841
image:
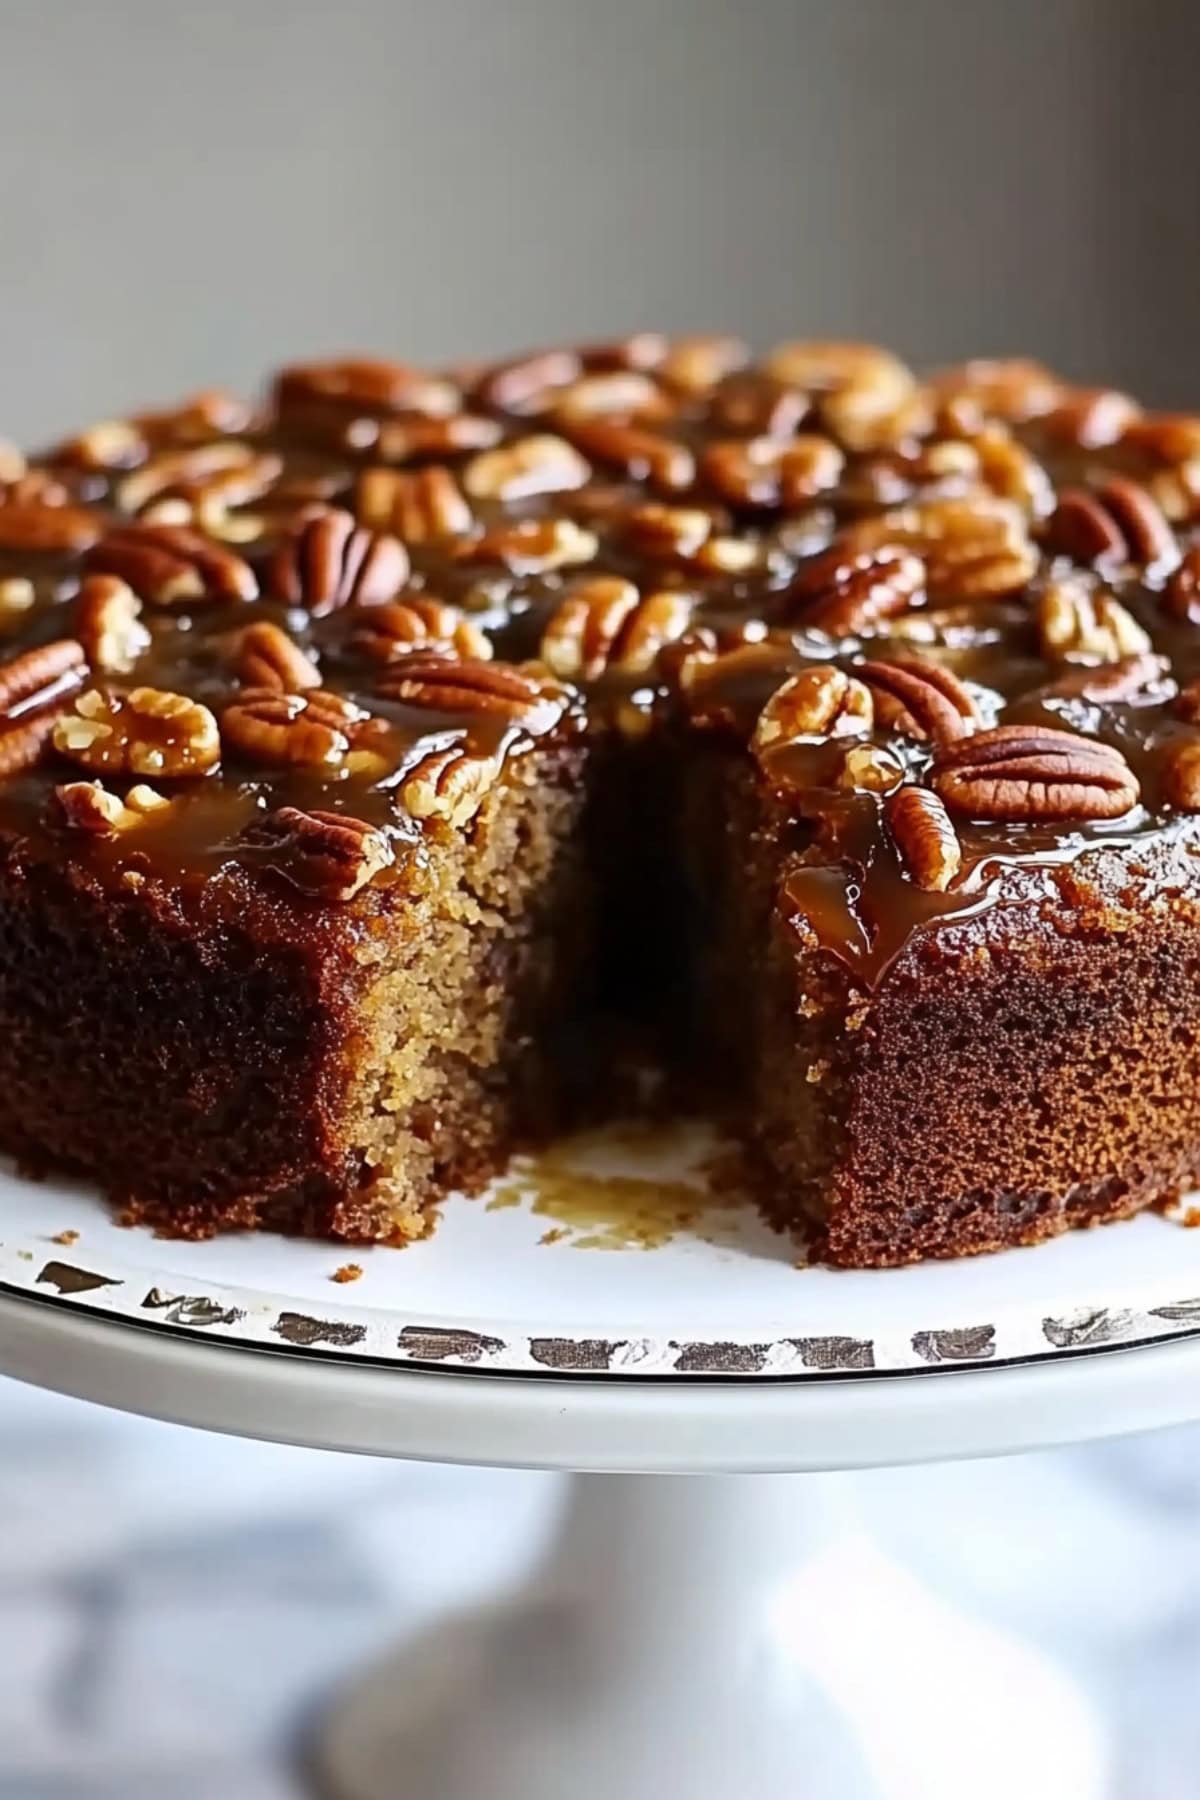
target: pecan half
268 658
1163 437
605 623
517 386
1187 703
1088 418
34 528
115 444
1145 679
449 784
22 741
1084 530
371 383
326 854
924 836
528 466
660 620
89 806
752 404
422 506
33 488
1027 773
213 412
695 364
614 393
825 365
1181 775
937 469
222 506
17 597
688 535
31 680
418 622
857 386
638 350
149 731
1075 620
314 730
330 561
866 768
1012 388
463 688
919 699
1012 472
1177 492
974 548
765 473
1181 595
582 632
170 565
640 454
864 395
845 592
531 546
818 702
108 445
108 623
200 483
1120 523
411 440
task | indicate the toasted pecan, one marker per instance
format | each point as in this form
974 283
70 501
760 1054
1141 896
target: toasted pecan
924 836
1027 773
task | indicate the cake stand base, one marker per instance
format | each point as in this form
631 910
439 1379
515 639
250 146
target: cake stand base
707 1637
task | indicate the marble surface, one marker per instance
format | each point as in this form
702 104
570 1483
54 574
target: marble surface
175 1609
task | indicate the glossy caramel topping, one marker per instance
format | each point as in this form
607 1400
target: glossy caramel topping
322 628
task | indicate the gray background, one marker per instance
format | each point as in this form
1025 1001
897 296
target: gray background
190 196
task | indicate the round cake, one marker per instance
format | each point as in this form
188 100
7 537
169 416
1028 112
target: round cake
393 771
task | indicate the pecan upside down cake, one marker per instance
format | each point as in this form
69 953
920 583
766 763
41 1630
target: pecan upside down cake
836 730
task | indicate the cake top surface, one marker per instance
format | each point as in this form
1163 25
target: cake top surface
953 621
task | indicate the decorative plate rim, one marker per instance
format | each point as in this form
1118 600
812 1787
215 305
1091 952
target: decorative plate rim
252 1319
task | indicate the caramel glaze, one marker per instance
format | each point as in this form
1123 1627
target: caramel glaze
844 885
846 888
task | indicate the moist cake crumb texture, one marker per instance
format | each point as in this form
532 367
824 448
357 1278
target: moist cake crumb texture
393 769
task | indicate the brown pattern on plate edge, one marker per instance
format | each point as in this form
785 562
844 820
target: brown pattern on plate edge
956 1343
307 1333
437 1343
70 1280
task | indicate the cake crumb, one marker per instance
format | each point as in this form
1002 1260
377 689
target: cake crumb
818 1070
555 1235
65 1237
348 1272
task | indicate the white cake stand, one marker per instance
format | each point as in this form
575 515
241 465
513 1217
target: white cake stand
677 1645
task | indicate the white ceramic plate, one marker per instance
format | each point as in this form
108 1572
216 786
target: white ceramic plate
720 1296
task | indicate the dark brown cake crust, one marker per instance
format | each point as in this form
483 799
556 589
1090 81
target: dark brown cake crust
837 731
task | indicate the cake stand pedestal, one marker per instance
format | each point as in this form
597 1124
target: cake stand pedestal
710 1623
691 1638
